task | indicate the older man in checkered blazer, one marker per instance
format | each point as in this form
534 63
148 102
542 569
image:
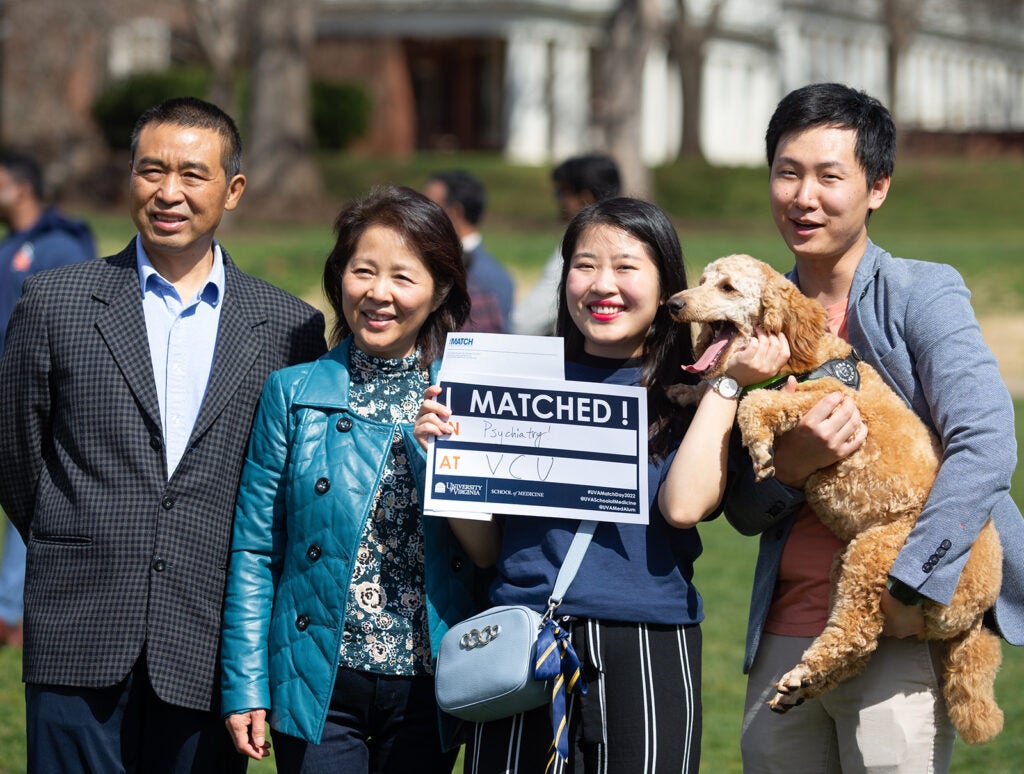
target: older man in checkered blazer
128 388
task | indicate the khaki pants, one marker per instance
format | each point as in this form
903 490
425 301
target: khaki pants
889 719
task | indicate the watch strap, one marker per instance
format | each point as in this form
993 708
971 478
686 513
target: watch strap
903 593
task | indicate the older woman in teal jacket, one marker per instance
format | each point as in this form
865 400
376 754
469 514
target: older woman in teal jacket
338 590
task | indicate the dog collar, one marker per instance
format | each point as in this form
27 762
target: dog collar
843 369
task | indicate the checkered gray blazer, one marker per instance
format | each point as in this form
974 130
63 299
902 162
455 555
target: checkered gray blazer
122 560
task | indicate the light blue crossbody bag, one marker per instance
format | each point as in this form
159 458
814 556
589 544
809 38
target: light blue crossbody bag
485 664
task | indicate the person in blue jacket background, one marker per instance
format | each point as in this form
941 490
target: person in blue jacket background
338 591
39 237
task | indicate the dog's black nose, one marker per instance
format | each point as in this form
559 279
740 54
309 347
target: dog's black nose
675 305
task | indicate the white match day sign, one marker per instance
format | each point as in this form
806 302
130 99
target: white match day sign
540 447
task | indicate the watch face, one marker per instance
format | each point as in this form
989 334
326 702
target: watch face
727 387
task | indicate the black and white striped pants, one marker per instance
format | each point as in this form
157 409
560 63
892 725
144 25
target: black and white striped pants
641 713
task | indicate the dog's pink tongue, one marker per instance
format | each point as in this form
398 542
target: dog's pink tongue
714 349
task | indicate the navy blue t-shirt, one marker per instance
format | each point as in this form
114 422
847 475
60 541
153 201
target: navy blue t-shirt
630 572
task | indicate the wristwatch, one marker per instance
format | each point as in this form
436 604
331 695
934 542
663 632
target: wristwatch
725 386
903 593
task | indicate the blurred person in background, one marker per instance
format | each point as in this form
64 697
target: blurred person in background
491 288
38 238
579 181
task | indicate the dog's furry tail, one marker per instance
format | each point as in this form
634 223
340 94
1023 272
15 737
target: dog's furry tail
972 660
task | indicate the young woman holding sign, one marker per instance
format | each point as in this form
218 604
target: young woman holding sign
632 610
338 591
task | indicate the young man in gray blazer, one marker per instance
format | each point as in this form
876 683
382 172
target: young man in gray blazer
831 152
129 385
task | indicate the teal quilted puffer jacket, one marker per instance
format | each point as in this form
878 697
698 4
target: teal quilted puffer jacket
309 479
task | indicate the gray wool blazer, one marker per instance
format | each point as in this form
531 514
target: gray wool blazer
914 323
121 559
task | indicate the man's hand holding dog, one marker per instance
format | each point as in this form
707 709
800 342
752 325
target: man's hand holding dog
901 620
831 431
761 358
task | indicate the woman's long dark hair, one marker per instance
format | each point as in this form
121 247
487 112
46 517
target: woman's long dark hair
668 344
428 232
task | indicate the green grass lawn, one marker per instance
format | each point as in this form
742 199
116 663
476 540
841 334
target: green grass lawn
950 210
723 575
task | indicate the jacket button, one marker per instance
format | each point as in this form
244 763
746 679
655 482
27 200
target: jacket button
945 544
159 565
313 552
322 485
167 503
933 560
344 425
155 443
457 564
302 623
927 567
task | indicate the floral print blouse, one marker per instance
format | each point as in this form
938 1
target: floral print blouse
386 623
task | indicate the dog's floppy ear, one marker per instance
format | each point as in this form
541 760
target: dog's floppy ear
773 302
788 311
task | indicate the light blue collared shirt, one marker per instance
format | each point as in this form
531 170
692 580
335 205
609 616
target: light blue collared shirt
182 342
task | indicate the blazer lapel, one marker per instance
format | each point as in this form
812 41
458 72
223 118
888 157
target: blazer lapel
237 345
123 328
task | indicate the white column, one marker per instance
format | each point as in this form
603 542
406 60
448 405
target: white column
570 97
743 83
793 52
911 97
661 109
933 96
1016 95
526 105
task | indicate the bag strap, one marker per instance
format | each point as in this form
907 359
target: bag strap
571 564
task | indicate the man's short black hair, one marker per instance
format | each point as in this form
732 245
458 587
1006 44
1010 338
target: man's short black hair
199 114
833 104
465 190
25 169
596 173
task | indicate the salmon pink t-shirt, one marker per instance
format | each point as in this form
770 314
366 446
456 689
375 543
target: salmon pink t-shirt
800 603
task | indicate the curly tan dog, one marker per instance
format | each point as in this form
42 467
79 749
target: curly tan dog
870 499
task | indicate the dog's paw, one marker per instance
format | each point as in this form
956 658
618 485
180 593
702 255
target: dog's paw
763 458
790 689
783 703
685 394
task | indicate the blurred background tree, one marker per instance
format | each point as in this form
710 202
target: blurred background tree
648 81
